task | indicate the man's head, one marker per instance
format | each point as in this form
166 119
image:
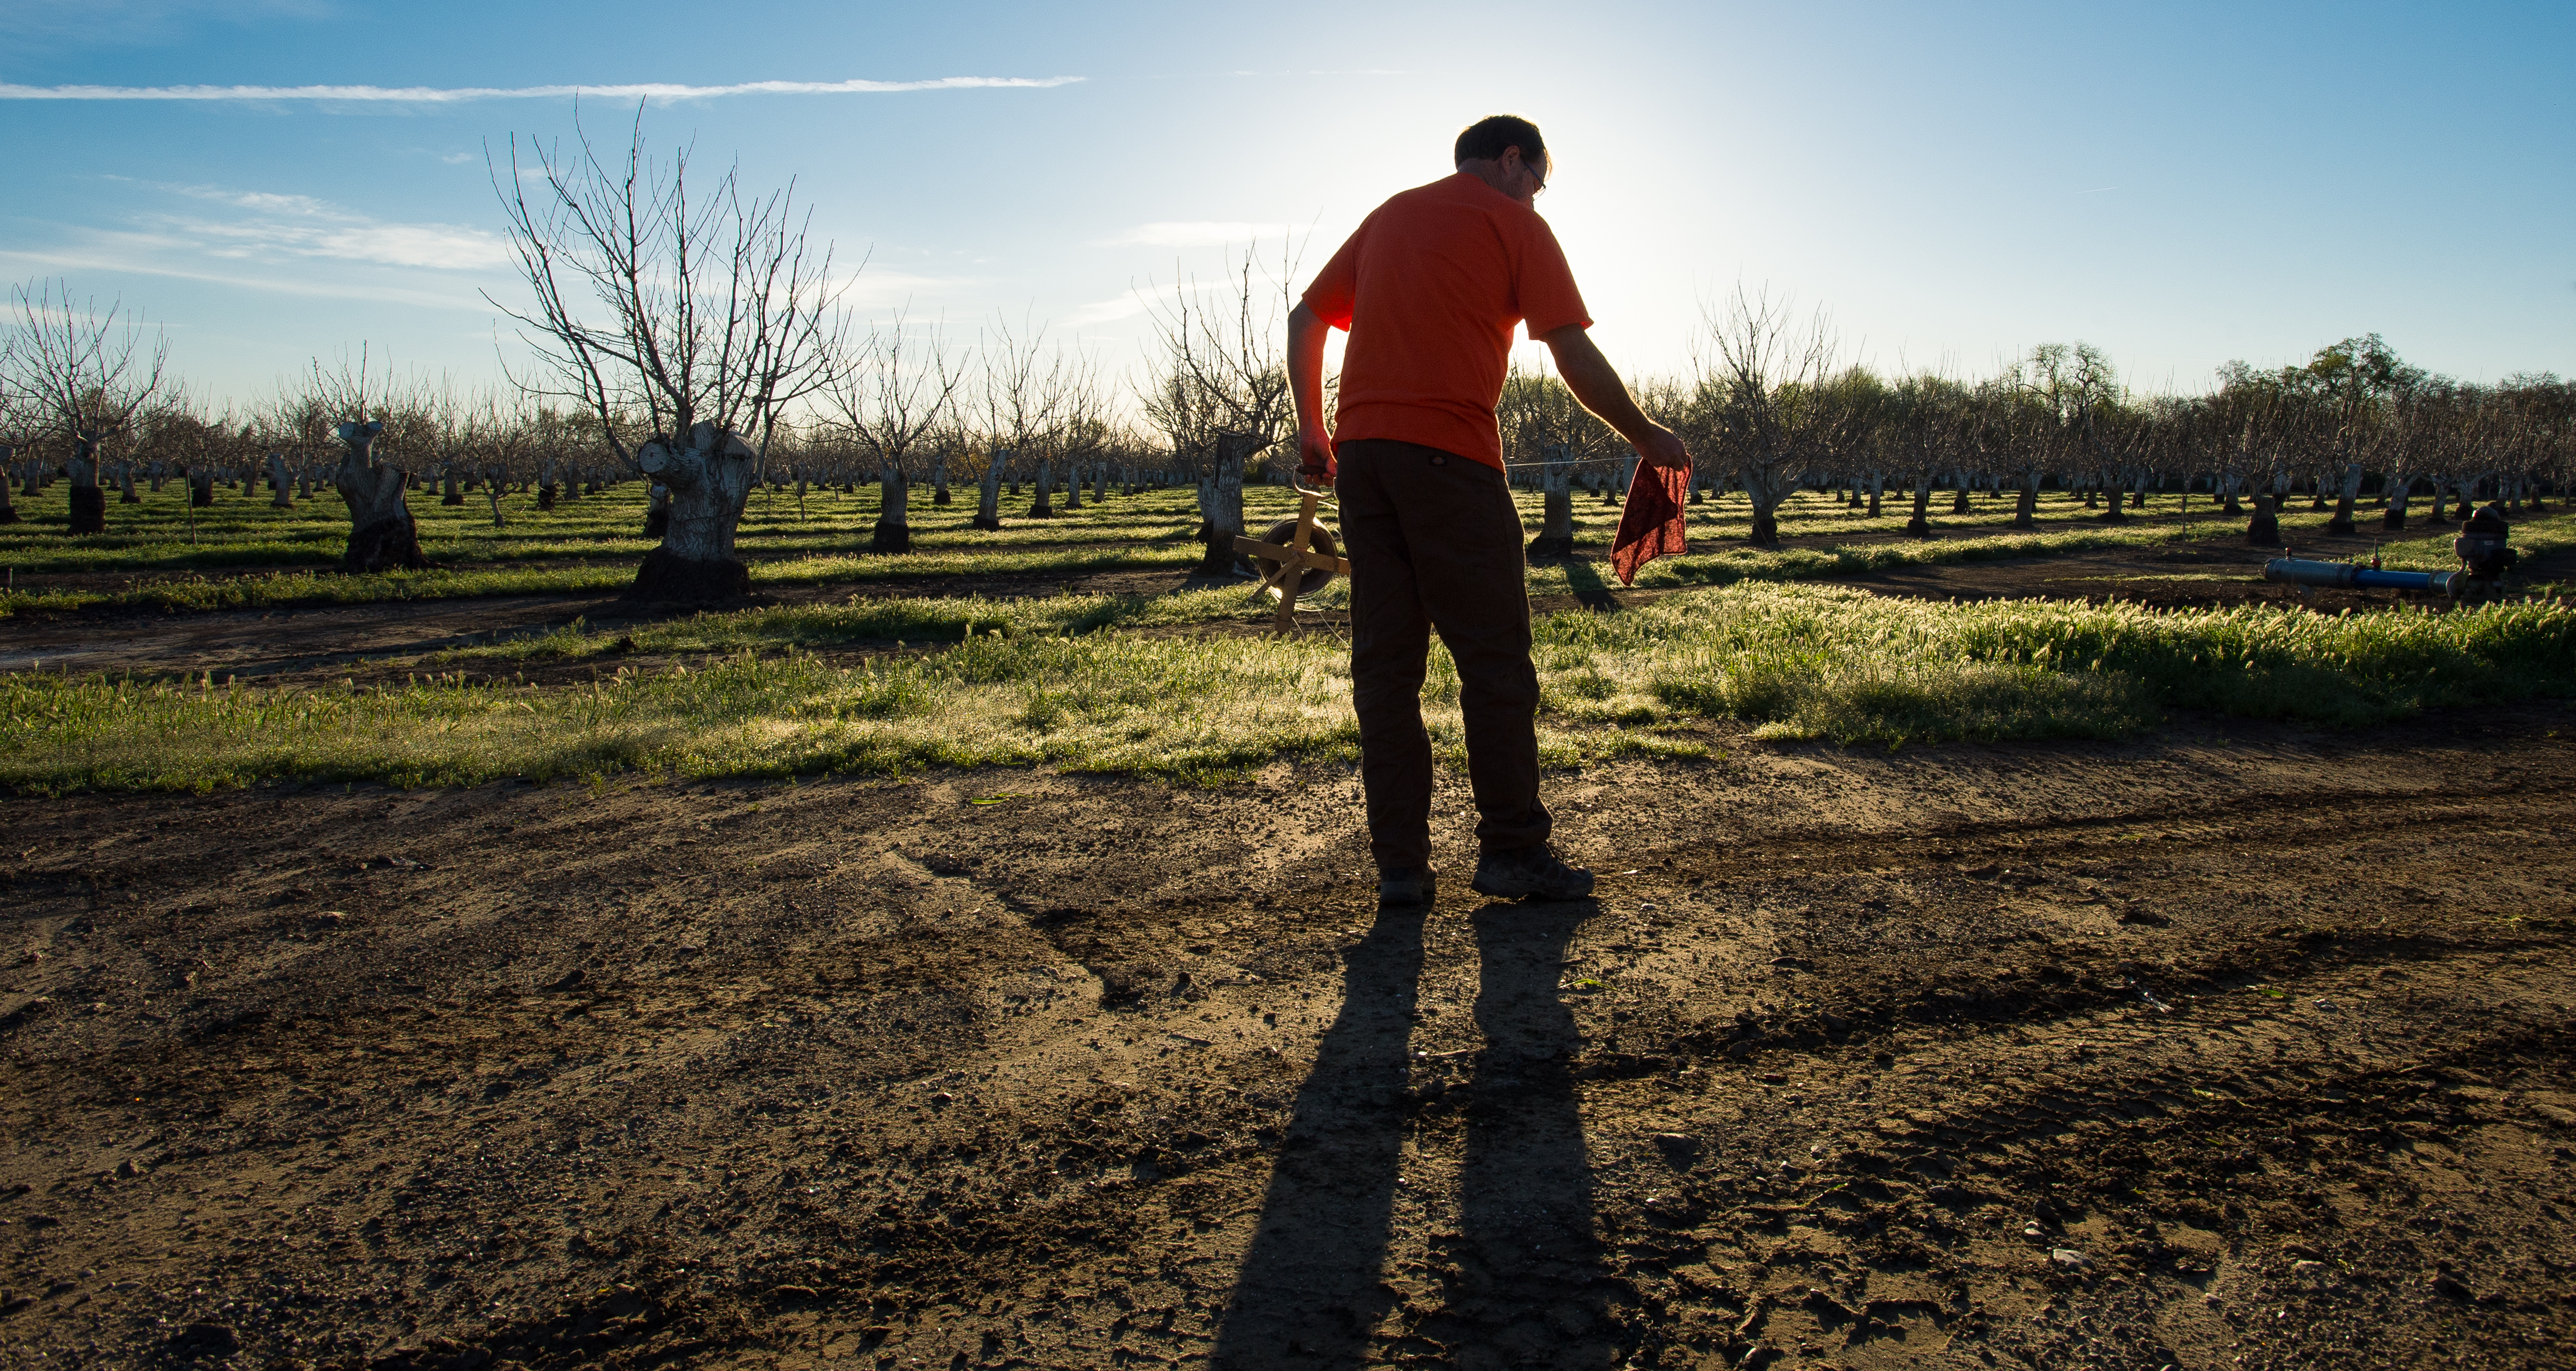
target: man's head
1505 152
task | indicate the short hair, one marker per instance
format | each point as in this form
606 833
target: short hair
1489 136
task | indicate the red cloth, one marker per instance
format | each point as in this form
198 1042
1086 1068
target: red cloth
1430 287
1654 522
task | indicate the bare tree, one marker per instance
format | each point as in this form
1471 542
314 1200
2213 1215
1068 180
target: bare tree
891 402
1760 398
688 328
1220 387
85 373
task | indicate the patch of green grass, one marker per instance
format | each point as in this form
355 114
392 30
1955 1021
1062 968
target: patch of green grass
592 544
1793 661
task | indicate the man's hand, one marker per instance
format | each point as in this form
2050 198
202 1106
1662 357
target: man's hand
1315 465
1663 448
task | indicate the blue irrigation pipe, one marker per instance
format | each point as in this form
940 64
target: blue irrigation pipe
2354 576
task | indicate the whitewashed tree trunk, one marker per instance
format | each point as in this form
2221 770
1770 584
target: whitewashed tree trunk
939 479
709 474
2347 494
88 502
1765 489
988 508
1072 487
1556 489
282 481
2026 507
1042 507
2400 484
8 506
894 507
381 533
1224 503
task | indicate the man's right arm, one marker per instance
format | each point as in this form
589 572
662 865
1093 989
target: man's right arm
1597 385
1306 332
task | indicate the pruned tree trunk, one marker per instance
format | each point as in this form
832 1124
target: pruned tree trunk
1920 526
8 506
201 489
1556 488
894 498
381 533
1764 489
1959 492
2348 494
1099 483
2115 504
988 508
1072 487
2264 529
281 481
657 511
2026 507
88 502
2401 484
452 490
709 475
1042 505
939 480
1225 503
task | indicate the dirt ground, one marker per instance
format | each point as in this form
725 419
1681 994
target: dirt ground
2241 1046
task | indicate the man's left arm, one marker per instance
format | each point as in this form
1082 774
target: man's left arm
1306 336
1597 385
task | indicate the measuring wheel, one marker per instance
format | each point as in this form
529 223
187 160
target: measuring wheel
1296 558
1283 535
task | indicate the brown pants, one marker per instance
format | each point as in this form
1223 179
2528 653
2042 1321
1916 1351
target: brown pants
1435 542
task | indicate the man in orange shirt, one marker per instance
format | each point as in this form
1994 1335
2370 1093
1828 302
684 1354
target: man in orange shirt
1430 288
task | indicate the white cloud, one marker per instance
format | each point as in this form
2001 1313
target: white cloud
1195 234
141 255
1106 311
286 226
438 95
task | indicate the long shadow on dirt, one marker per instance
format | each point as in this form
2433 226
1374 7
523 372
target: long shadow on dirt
1525 1285
1310 1288
1525 1260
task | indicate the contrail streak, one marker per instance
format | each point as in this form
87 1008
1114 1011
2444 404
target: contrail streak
454 94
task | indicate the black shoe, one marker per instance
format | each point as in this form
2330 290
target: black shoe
1406 887
1531 873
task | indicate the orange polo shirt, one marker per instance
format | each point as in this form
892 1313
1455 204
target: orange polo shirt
1430 287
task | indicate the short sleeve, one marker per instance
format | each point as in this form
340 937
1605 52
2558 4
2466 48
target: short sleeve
1336 287
1545 290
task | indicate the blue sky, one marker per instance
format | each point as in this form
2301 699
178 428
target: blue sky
2179 184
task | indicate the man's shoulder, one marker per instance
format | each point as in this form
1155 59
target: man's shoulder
1455 199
